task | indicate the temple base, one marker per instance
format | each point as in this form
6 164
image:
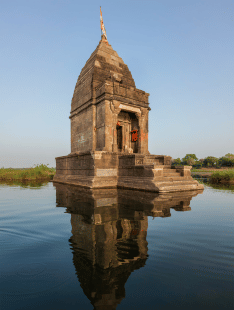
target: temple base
100 169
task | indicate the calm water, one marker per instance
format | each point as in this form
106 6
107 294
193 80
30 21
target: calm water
62 248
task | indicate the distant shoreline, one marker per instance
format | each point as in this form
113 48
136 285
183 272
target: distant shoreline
25 168
44 173
213 175
38 173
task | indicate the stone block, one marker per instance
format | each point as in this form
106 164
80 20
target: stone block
106 172
184 170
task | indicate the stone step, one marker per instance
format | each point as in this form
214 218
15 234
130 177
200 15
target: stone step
161 185
151 162
185 187
171 175
175 183
173 179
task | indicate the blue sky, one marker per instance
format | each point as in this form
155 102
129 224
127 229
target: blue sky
179 51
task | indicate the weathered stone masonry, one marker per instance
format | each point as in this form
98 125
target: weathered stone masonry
109 133
105 94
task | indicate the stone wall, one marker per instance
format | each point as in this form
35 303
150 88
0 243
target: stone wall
100 126
82 131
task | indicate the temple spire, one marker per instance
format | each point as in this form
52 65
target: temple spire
103 30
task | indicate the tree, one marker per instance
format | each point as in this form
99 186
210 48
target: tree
176 162
229 155
227 160
198 164
189 159
211 161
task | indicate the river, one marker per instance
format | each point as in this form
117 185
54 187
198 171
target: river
67 248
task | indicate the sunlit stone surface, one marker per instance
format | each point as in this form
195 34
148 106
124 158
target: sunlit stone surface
109 133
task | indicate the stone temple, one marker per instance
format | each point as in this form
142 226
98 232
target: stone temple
109 133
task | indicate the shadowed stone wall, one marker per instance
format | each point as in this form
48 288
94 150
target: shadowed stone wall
82 131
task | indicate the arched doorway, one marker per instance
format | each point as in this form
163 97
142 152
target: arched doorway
127 129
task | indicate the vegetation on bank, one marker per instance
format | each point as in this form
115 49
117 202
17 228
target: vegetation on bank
223 176
217 170
208 170
219 186
39 172
226 161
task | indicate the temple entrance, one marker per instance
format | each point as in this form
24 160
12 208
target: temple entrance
119 137
134 139
127 132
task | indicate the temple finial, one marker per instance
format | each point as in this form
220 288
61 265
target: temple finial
103 30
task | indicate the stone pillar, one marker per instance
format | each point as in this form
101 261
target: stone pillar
115 119
167 160
138 115
144 131
94 127
114 133
184 170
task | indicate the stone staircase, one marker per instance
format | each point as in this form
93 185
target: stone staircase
174 180
154 173
170 174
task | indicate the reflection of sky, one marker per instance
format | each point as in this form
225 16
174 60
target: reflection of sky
181 52
189 265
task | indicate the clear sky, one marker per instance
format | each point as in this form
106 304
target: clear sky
179 51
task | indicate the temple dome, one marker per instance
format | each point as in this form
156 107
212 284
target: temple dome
104 64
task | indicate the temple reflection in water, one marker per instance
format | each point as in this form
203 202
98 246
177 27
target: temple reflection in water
109 228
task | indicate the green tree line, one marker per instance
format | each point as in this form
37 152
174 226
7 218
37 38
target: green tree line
209 161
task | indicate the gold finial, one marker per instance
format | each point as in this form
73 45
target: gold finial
103 30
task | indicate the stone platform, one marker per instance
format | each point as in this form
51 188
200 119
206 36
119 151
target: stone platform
100 169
